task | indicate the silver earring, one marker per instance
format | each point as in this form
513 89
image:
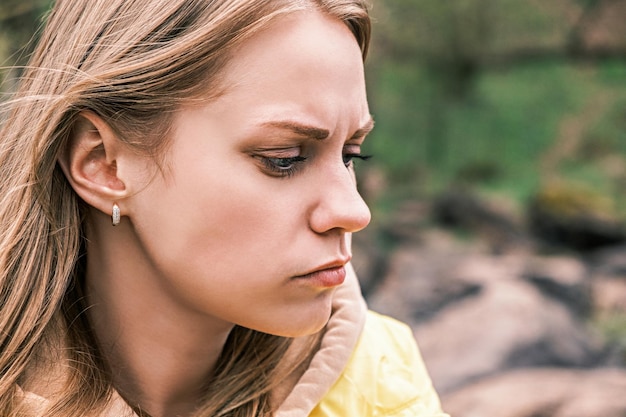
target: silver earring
115 217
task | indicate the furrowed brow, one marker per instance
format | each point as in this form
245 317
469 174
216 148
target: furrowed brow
299 129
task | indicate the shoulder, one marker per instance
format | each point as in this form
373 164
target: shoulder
384 377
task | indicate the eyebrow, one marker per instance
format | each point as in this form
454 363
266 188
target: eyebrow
363 131
300 129
317 133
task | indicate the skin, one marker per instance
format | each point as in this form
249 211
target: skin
224 235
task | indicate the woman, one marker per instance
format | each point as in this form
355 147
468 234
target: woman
177 203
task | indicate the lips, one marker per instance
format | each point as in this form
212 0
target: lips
326 276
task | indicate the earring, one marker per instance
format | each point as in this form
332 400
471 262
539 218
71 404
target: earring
115 217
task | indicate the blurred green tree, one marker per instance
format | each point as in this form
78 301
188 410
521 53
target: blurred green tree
484 82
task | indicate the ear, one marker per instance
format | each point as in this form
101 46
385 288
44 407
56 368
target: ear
90 162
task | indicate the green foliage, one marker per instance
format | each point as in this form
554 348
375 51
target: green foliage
511 121
483 92
571 201
608 135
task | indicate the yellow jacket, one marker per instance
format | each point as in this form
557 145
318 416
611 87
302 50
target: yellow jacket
385 376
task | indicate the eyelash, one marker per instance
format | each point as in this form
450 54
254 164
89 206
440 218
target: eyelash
348 159
286 167
283 167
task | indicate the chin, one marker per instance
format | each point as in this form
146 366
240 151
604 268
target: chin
303 324
302 331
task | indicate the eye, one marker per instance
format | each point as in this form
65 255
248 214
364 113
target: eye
282 167
348 158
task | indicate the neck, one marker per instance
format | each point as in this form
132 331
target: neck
161 355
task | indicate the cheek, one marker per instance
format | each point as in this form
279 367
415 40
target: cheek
236 215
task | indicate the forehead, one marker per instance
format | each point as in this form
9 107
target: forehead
306 60
305 43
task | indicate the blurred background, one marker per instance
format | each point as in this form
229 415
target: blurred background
498 189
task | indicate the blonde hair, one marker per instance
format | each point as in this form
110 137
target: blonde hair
132 62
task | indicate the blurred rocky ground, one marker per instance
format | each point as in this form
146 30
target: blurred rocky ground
517 315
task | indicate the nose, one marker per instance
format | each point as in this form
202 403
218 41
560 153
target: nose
339 206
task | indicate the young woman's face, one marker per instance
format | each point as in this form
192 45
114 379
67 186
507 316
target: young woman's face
250 221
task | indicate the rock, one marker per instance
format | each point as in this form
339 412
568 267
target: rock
609 315
609 295
460 208
608 280
509 324
542 392
563 278
417 285
609 261
485 269
571 216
